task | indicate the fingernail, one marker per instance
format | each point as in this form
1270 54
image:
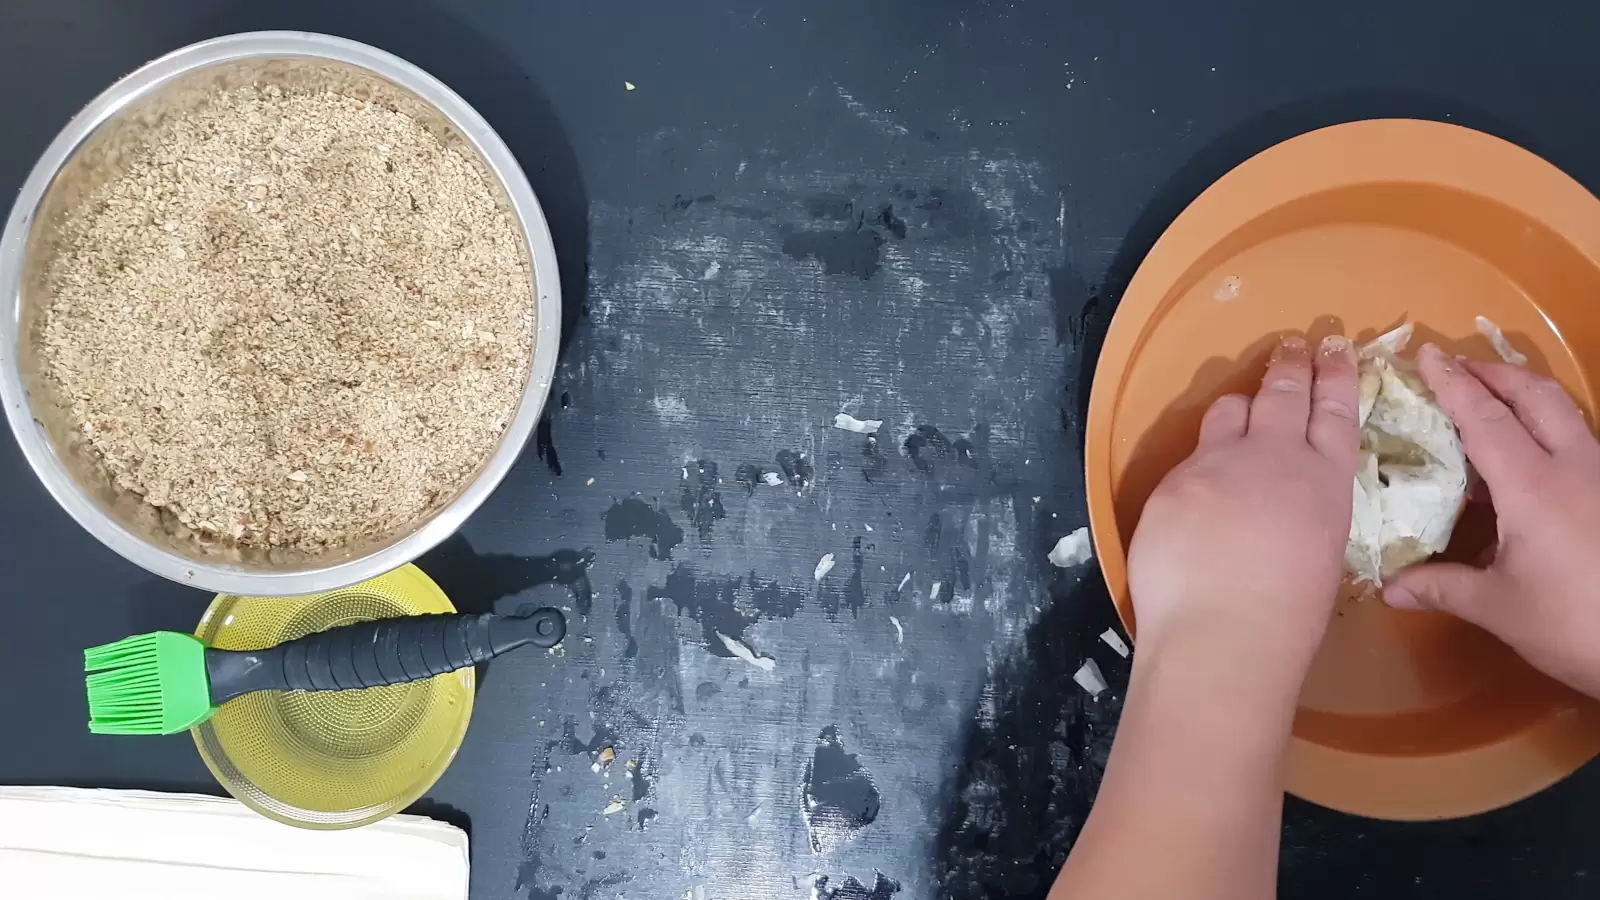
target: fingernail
1400 598
1446 361
1336 345
1289 346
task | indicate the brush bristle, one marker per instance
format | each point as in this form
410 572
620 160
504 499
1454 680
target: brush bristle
128 651
147 684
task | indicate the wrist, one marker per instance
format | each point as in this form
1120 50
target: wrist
1238 671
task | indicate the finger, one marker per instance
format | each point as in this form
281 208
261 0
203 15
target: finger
1333 429
1541 405
1283 405
1225 420
1463 591
1498 445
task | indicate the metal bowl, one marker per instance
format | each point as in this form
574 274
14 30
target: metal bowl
83 155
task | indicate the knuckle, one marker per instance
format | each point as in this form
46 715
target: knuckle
1335 408
1199 492
1229 403
1340 373
1429 592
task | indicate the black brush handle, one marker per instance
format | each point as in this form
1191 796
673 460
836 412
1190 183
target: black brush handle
380 652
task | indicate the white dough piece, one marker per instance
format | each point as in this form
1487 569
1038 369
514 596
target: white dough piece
859 426
1072 550
1411 481
1089 678
737 648
1115 642
1497 340
1390 343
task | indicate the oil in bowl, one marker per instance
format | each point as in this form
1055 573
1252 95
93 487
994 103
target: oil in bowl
337 759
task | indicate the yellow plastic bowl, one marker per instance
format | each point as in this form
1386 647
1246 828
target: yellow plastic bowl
332 760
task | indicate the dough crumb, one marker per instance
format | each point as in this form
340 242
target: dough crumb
1073 550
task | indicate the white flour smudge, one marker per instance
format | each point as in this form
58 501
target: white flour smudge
877 120
672 410
740 650
968 286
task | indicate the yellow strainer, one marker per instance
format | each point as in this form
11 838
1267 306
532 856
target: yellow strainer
338 759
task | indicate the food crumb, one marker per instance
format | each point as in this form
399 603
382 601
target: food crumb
848 422
1089 678
1497 340
738 649
1073 550
1115 642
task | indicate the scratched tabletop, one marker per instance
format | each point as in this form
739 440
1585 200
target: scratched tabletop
920 212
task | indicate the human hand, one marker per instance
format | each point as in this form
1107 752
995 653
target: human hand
1532 446
1245 540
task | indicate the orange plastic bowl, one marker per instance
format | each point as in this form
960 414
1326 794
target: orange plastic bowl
1355 229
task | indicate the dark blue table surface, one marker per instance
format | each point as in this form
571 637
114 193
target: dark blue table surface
919 212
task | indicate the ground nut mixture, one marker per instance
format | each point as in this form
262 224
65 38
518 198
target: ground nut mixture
295 321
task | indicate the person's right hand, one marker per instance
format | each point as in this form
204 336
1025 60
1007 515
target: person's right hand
1541 592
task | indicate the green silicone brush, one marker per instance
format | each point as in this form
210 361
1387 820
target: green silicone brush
166 682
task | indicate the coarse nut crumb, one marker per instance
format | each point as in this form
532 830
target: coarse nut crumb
295 319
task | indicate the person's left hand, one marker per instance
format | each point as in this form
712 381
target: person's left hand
1244 541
